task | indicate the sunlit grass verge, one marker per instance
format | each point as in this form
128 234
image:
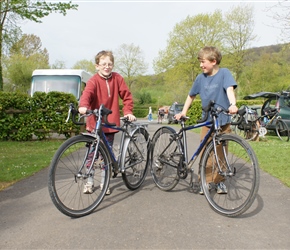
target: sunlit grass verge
273 156
19 160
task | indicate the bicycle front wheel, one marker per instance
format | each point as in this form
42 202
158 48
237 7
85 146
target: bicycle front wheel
282 130
239 177
165 157
136 159
68 175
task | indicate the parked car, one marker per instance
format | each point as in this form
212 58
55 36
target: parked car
280 101
173 110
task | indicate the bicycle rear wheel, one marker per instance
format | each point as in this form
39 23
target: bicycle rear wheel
136 159
282 130
165 157
240 175
68 175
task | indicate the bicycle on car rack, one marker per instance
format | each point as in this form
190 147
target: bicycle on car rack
88 155
251 125
225 155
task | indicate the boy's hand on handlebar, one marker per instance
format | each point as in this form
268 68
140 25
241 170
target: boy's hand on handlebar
233 109
82 110
178 116
130 117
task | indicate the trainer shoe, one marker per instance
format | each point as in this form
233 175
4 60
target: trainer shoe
221 188
88 188
108 192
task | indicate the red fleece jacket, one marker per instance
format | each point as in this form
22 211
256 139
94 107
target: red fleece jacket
100 90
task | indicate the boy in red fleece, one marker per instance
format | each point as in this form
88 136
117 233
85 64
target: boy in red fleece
105 87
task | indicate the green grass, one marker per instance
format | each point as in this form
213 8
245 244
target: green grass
19 160
273 156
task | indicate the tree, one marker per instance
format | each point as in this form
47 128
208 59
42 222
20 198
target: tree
24 56
231 33
129 62
238 35
281 13
179 59
58 65
11 11
86 65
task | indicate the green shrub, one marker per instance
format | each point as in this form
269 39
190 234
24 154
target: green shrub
22 116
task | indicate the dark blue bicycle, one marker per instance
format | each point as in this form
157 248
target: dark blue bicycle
226 156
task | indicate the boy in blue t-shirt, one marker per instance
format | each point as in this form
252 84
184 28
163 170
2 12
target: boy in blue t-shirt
215 84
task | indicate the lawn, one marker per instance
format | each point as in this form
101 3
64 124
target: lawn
19 160
273 156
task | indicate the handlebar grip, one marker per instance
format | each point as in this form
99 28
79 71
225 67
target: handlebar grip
206 111
105 113
241 113
75 121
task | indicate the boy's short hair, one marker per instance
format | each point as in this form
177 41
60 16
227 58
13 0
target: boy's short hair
210 53
104 53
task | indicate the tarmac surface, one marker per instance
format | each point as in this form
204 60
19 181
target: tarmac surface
147 218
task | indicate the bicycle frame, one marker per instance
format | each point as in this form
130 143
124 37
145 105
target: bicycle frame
125 139
213 131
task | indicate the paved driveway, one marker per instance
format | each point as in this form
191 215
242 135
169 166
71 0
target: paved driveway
147 218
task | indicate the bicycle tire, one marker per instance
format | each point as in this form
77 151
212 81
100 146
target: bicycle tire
67 180
136 159
165 157
249 132
242 186
282 130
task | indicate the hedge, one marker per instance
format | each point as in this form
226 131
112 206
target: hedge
22 116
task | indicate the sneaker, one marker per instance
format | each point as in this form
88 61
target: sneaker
108 192
221 188
88 188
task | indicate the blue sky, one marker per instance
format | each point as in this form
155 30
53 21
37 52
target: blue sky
99 25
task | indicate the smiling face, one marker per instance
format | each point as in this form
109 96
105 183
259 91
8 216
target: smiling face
209 58
105 66
207 66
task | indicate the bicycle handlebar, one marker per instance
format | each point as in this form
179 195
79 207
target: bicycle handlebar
241 113
103 111
207 110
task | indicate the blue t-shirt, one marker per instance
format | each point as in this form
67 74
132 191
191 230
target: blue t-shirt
214 88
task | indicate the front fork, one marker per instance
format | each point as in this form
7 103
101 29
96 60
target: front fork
228 171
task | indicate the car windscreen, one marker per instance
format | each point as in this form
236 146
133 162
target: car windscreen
178 107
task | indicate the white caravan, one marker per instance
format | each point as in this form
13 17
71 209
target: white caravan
63 80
